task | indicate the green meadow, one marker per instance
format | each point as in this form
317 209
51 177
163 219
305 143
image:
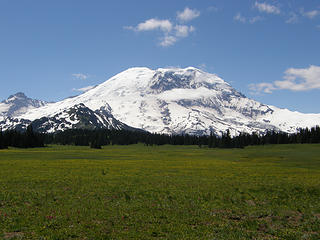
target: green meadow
160 192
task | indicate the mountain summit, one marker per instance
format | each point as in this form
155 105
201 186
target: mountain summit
178 101
18 104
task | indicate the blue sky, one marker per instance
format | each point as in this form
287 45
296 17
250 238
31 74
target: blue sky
267 49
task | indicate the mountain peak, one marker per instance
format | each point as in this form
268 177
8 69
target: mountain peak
165 79
179 69
17 104
164 69
136 69
18 95
141 81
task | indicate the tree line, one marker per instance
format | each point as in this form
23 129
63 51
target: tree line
26 139
100 137
302 136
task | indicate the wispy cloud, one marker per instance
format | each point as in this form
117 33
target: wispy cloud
84 89
310 14
188 14
180 31
172 31
80 76
258 88
293 18
267 8
167 41
212 9
295 79
238 17
183 30
202 66
255 19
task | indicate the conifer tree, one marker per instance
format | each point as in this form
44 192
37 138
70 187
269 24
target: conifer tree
2 143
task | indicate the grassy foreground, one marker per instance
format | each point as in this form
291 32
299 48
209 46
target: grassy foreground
160 192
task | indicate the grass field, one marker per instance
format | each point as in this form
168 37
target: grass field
160 192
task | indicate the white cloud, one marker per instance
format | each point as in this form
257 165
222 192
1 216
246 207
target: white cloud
171 31
188 14
300 79
267 8
152 24
167 41
311 14
295 79
240 18
183 30
257 88
84 89
80 76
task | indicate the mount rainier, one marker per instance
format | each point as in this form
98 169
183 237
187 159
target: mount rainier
166 100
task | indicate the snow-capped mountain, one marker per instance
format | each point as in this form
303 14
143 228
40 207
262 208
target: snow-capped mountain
78 116
18 104
175 101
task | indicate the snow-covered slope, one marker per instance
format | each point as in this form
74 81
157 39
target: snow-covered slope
180 101
18 104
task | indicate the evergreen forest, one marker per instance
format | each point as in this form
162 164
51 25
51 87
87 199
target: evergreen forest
99 137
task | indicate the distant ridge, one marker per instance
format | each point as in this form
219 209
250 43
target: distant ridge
18 104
